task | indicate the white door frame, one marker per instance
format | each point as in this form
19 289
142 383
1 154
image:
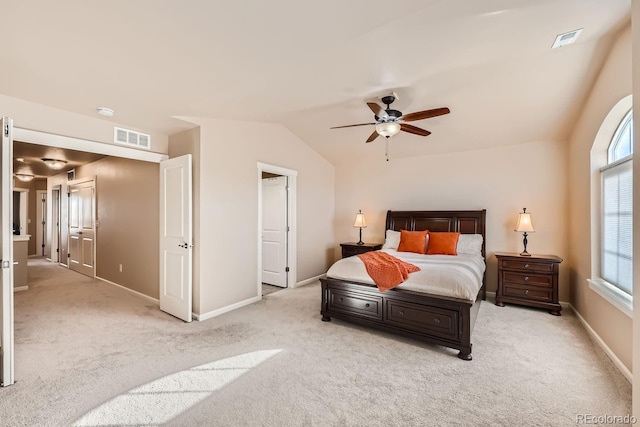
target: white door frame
7 355
54 208
291 213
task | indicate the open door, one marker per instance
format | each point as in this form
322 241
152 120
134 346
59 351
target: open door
6 254
274 231
176 237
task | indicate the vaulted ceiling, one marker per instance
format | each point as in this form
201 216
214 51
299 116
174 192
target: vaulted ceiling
313 65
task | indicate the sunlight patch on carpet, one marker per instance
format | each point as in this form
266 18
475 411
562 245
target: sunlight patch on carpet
161 400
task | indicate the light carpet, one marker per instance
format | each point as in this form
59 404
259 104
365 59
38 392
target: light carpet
90 354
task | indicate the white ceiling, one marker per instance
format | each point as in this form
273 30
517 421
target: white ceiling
312 65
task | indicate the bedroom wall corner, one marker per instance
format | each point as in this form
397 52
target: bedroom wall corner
229 202
612 84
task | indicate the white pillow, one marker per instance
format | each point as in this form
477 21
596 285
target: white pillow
392 240
470 244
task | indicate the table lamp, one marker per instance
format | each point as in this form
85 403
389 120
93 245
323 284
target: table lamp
361 223
524 226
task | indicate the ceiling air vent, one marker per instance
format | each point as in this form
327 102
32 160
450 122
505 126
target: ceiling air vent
130 137
566 38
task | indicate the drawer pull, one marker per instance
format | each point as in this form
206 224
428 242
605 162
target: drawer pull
367 305
401 313
526 266
526 292
340 299
436 320
526 278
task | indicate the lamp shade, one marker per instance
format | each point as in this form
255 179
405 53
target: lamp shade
388 129
524 222
360 221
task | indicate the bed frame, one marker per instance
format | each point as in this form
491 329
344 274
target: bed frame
430 318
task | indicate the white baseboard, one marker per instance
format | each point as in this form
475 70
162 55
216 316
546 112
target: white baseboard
218 312
309 280
617 362
21 288
131 291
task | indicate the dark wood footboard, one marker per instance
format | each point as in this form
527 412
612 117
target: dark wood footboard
435 320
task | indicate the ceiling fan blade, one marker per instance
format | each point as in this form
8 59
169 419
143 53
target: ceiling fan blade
373 136
350 126
414 129
419 115
377 110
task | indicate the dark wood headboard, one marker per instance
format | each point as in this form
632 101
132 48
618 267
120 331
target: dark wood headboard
465 222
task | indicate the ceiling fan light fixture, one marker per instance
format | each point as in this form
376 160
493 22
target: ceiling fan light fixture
55 163
388 129
24 177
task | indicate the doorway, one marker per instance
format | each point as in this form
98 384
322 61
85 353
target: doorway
276 228
55 224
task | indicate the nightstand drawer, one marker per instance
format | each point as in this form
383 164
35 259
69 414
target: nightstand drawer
527 279
530 293
419 318
351 249
508 264
351 303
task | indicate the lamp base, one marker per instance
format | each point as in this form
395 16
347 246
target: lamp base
360 242
525 253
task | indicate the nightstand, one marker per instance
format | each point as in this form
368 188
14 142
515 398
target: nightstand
528 280
352 248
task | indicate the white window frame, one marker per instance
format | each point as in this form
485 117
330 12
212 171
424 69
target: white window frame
607 136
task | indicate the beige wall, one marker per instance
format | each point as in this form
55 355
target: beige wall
127 204
228 238
501 180
188 142
636 202
28 115
613 84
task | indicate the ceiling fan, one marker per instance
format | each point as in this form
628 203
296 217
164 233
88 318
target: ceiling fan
389 122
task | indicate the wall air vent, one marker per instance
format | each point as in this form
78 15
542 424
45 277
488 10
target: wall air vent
566 38
130 137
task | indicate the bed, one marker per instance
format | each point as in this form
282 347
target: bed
431 317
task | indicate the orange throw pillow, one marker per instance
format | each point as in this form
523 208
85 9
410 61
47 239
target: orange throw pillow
443 243
413 241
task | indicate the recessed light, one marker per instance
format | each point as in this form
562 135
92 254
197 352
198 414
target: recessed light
566 38
104 111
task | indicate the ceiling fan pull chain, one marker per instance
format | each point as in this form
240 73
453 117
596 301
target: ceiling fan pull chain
386 148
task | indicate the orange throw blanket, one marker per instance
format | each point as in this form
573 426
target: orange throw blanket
386 271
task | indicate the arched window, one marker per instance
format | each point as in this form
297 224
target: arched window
617 209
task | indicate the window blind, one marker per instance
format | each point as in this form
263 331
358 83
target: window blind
617 249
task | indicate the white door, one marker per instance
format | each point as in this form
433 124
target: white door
176 237
274 231
82 227
41 223
6 253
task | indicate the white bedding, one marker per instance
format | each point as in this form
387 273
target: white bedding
457 276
